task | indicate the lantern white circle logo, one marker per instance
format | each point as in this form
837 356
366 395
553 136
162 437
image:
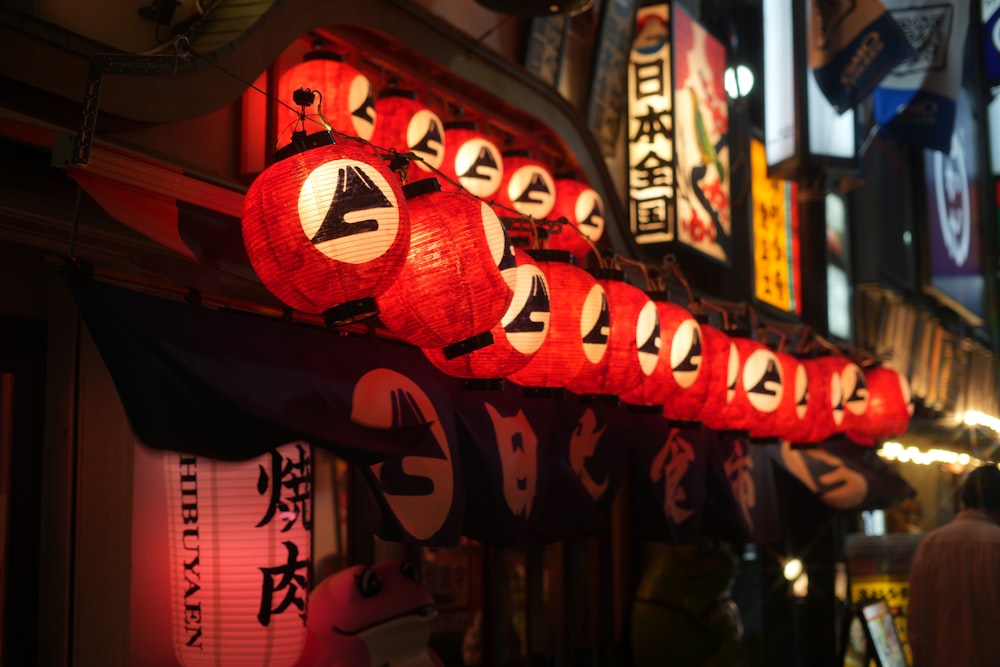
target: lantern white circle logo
349 211
837 398
685 353
496 235
647 337
855 390
801 391
478 167
424 137
589 212
362 105
732 372
951 192
378 398
763 380
595 324
526 321
532 191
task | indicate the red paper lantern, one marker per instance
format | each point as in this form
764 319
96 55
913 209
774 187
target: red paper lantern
450 292
576 303
754 388
239 545
824 404
672 382
324 227
409 126
721 366
631 339
760 387
519 334
792 408
347 99
471 160
583 209
855 391
890 407
527 186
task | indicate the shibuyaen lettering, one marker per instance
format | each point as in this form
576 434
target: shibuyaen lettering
192 550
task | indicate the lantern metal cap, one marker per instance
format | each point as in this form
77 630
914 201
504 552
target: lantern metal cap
608 400
302 142
323 54
609 274
546 255
424 186
470 344
351 311
645 409
544 392
398 92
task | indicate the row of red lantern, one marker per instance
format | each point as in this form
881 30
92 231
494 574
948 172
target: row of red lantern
327 230
449 285
396 120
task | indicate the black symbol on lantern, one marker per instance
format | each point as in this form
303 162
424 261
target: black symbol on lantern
595 218
536 186
598 334
485 160
431 136
537 302
652 344
688 363
366 111
771 377
355 192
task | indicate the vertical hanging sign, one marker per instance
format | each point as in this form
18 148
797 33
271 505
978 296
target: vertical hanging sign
701 138
611 61
775 236
651 182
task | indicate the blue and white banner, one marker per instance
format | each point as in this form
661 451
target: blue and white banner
915 103
852 46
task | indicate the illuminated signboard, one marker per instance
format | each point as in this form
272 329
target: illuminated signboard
701 109
952 261
991 53
800 125
651 129
777 281
679 183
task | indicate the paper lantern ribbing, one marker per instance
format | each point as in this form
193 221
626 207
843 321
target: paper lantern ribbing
409 126
239 545
583 209
823 415
721 366
890 407
854 387
451 290
325 228
631 340
347 97
527 185
519 334
471 160
758 389
677 368
576 303
792 408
